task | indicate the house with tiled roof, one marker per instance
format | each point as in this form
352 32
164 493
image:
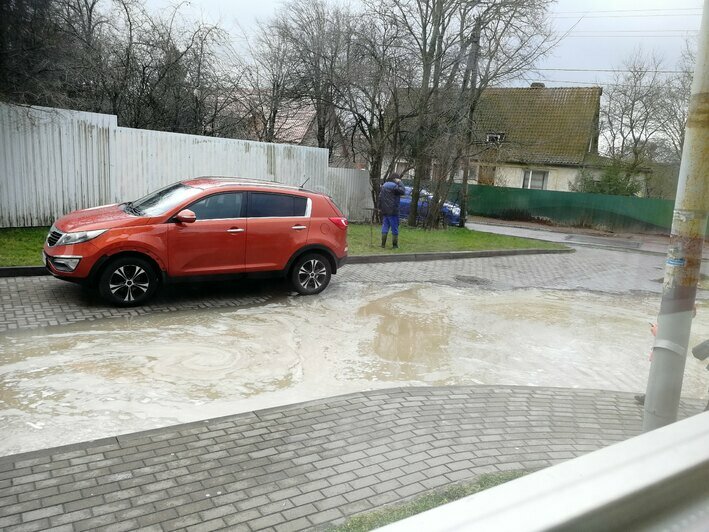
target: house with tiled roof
536 137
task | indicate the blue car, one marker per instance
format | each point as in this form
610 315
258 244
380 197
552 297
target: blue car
450 211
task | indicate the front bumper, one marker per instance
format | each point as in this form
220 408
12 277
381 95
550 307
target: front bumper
62 264
72 262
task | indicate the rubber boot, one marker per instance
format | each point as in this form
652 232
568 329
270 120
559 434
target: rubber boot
395 242
384 240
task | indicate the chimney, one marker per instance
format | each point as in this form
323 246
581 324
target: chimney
537 85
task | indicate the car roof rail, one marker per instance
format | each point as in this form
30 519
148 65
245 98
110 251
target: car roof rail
229 180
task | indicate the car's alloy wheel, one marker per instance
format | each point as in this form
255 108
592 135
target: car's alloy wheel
311 274
127 282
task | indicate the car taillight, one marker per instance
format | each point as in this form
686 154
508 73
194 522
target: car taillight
339 222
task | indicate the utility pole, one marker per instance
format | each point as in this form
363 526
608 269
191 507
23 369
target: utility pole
684 256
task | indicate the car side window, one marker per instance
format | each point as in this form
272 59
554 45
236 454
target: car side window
219 206
272 205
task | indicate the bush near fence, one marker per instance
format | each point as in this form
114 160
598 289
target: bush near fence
598 211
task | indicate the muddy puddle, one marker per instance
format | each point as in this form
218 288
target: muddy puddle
73 383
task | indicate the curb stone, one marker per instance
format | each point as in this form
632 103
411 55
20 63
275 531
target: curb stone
36 271
23 271
419 257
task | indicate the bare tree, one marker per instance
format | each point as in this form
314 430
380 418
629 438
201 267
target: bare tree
460 48
32 53
367 90
155 72
674 108
270 77
317 33
631 112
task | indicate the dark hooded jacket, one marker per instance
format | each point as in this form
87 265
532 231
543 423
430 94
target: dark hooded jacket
389 196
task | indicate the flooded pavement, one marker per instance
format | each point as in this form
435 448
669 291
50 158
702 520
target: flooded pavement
72 383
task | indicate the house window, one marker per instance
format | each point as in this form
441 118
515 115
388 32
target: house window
495 138
535 179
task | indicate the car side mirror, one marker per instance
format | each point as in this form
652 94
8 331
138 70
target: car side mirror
186 216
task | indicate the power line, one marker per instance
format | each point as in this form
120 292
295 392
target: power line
636 35
630 10
613 70
686 30
628 16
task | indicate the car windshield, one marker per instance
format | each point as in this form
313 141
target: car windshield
161 201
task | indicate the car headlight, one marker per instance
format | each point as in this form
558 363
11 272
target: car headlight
79 237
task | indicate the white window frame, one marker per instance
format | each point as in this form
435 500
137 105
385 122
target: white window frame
527 179
495 138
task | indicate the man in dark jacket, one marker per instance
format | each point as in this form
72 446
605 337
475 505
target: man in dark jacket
389 196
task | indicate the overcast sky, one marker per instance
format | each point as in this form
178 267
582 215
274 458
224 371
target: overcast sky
604 31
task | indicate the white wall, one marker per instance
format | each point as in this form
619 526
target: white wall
513 176
54 161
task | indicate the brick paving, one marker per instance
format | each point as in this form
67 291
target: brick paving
30 302
587 269
311 465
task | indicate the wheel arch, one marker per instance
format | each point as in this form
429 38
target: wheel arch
313 248
104 261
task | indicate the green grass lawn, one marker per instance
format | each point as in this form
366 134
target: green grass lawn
366 240
397 512
23 246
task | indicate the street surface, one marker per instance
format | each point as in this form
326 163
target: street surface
73 369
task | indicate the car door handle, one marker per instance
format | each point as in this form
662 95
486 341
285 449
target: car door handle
298 227
235 230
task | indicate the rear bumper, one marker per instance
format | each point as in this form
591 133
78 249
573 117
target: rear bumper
341 261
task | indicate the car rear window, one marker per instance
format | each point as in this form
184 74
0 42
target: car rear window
273 205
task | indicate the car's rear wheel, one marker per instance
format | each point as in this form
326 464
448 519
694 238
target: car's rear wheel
311 274
127 282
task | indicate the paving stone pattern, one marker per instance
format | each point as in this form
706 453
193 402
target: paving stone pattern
29 302
311 465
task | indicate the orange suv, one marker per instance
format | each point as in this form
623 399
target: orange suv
201 228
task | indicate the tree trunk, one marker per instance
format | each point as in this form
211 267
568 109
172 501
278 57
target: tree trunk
423 160
375 177
473 66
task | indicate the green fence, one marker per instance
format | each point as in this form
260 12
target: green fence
613 213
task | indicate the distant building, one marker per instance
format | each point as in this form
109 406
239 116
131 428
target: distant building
296 123
535 137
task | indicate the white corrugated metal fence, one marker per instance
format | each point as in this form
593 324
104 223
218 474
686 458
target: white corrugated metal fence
351 191
53 161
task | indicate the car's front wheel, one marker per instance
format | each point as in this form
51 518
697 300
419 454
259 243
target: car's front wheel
127 282
311 274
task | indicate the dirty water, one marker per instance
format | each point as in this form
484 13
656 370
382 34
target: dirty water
66 384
